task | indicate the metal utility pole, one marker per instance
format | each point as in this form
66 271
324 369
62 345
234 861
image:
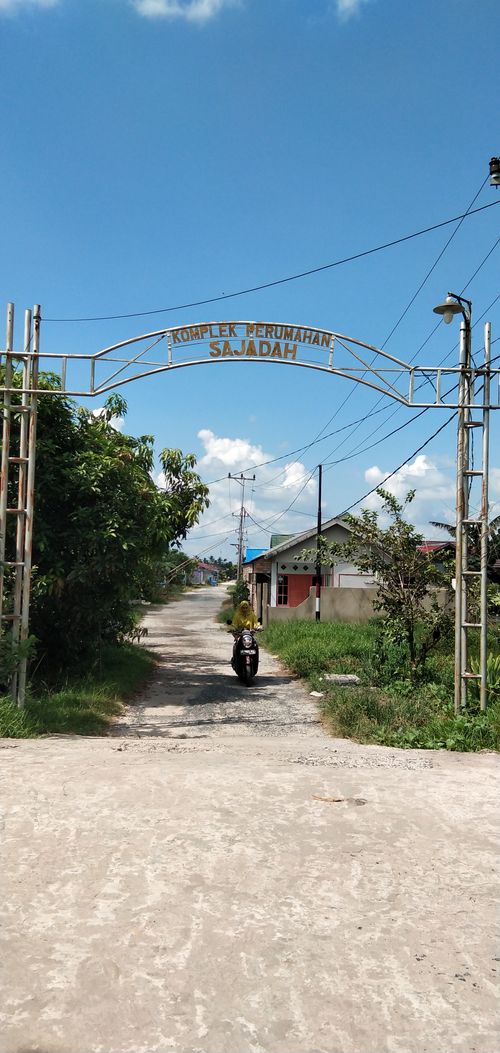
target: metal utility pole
318 552
469 529
242 479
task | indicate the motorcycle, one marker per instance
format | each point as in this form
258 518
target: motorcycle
245 660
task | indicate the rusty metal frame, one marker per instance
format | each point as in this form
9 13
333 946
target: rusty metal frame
19 468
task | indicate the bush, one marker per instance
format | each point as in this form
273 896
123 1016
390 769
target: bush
240 592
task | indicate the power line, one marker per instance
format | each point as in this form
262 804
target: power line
270 523
314 442
398 469
414 297
280 281
435 327
389 435
419 386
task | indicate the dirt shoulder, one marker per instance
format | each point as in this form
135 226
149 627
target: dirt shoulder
246 891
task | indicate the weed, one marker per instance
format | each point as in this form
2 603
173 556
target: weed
15 723
396 712
82 705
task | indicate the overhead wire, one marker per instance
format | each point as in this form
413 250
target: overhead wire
280 281
398 469
397 409
387 477
273 460
414 297
355 425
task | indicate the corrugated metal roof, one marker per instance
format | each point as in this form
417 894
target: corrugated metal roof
253 553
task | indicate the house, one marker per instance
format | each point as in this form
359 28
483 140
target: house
282 585
205 574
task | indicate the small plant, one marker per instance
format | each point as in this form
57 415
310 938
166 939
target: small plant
492 678
240 592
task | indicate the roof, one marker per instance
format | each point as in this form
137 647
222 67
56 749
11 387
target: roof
296 539
279 539
434 546
206 566
253 553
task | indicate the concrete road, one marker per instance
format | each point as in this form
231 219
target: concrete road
219 876
195 692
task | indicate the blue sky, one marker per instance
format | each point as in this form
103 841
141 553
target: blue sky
161 152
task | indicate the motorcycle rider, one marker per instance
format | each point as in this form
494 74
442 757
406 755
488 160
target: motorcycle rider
244 617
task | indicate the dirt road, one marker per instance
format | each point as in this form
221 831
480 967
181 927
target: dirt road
220 877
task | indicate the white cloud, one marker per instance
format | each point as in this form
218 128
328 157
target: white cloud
434 492
348 8
115 422
190 10
276 486
17 5
495 481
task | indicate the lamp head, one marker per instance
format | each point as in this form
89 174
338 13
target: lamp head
495 171
448 309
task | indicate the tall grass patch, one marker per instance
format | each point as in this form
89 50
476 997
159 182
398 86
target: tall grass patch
308 648
387 707
83 705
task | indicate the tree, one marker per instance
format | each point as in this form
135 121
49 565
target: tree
101 526
406 577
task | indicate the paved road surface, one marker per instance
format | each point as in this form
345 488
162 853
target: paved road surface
193 884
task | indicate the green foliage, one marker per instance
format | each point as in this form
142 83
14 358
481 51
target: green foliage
10 656
81 706
172 572
395 712
494 601
15 723
101 527
474 545
227 571
312 647
406 579
240 592
492 678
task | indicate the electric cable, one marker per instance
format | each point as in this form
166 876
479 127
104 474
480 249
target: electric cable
434 329
390 434
300 449
414 297
398 469
280 281
397 409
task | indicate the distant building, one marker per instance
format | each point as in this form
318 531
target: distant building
205 574
279 579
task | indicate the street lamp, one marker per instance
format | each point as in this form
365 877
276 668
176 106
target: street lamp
453 305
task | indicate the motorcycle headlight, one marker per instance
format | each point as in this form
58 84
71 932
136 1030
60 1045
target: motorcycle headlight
246 640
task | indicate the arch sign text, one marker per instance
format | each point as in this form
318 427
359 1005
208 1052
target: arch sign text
251 339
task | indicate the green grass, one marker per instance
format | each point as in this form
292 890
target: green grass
83 705
308 648
386 707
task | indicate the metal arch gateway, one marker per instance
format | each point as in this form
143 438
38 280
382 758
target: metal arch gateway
205 343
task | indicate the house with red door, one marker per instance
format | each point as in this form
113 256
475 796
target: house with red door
282 584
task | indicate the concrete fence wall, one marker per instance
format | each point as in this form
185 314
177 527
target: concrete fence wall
337 605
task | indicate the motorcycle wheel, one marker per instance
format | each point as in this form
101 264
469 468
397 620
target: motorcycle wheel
246 673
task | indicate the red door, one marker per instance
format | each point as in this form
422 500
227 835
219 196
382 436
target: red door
298 588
